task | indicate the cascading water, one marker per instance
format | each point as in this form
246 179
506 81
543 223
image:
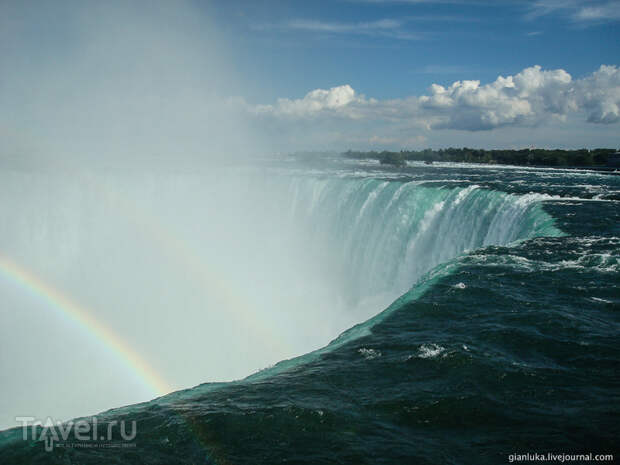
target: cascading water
460 309
273 266
382 236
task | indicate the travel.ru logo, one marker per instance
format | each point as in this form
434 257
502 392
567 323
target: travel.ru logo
83 433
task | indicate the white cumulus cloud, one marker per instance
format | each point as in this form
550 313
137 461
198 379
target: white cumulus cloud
599 95
521 99
528 98
315 102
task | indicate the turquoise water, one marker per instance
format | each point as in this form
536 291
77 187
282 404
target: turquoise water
496 331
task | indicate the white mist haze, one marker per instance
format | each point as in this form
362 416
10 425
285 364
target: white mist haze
202 274
114 80
114 135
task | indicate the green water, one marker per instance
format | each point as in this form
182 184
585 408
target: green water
501 338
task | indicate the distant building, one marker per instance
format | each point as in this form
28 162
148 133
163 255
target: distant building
614 160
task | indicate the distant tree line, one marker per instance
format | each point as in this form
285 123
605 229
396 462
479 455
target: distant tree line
527 157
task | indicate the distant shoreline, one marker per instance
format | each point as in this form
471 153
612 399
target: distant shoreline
607 160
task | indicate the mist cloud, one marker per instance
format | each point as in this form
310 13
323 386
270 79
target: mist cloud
113 119
115 80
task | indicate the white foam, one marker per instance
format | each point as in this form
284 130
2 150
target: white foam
369 354
430 350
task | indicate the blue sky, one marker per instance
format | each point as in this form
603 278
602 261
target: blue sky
298 75
390 49
395 50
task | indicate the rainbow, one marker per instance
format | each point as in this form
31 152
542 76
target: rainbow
172 248
86 321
